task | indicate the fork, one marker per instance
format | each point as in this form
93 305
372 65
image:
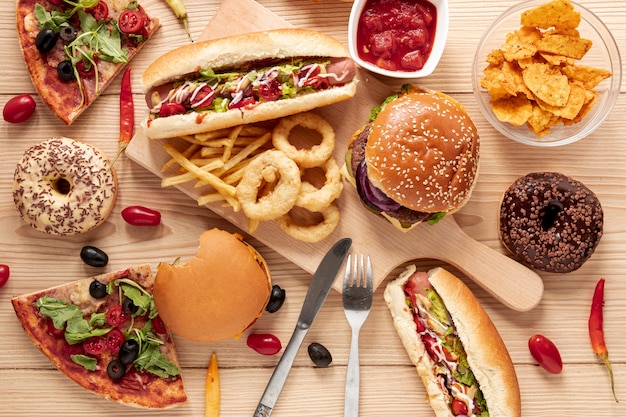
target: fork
357 302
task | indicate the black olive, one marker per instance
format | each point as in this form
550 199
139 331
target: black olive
68 33
46 39
277 298
129 307
319 355
97 289
93 256
129 351
116 369
65 70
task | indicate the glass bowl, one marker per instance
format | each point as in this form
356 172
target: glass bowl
604 53
441 35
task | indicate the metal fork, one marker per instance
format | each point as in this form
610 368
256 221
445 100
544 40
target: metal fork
357 302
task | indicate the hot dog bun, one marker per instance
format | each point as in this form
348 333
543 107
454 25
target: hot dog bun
486 352
235 52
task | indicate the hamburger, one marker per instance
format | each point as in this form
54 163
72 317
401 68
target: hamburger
417 158
217 294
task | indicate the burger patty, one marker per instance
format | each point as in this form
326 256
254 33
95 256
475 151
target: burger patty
403 214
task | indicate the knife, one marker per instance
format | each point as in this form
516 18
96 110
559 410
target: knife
318 291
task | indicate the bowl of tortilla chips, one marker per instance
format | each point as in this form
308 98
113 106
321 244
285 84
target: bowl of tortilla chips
547 72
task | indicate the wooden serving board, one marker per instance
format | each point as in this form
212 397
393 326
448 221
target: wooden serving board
514 285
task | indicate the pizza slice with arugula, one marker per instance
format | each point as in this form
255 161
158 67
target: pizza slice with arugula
73 49
105 334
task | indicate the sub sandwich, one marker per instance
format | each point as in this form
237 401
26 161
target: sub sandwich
457 350
244 79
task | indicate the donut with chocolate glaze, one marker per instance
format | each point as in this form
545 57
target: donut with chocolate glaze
550 221
64 187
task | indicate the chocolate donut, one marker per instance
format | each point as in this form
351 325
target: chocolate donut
64 187
550 221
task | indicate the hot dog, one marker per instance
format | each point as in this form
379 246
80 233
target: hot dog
454 345
242 79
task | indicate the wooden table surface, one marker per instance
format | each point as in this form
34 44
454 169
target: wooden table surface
390 385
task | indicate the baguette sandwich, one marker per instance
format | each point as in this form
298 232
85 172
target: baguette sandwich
243 79
457 350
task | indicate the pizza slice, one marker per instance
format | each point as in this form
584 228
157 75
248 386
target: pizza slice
74 50
105 334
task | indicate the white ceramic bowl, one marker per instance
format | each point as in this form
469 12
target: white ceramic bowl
441 34
604 53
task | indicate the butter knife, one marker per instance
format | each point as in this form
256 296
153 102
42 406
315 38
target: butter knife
316 295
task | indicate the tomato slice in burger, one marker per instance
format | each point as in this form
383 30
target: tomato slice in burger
131 22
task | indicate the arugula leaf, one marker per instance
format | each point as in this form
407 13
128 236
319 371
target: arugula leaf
98 319
52 20
59 311
85 361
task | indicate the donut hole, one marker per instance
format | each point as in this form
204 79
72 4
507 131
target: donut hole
62 186
550 213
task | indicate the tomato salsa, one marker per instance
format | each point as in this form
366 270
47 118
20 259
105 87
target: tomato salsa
396 35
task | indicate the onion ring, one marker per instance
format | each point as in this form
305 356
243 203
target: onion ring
313 233
306 158
271 166
315 199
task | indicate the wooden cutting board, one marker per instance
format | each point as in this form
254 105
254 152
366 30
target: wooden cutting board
514 285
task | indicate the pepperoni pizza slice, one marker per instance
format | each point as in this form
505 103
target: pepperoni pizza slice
105 334
74 50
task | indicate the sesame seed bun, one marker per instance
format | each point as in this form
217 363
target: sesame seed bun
422 152
216 295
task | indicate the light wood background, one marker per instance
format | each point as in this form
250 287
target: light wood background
390 386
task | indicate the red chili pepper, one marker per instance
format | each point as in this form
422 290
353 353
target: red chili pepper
141 216
127 113
596 332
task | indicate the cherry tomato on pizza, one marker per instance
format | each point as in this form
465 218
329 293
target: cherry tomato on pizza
115 316
131 22
114 340
100 11
94 345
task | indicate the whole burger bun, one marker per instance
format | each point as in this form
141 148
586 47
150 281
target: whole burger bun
217 294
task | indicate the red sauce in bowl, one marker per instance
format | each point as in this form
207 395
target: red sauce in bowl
396 35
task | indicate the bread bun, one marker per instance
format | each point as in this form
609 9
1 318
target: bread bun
422 152
216 295
235 53
486 352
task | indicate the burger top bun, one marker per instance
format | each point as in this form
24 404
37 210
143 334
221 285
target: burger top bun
217 294
423 152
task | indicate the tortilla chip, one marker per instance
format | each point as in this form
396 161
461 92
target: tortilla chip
541 120
547 83
557 13
514 110
575 102
521 44
590 77
565 45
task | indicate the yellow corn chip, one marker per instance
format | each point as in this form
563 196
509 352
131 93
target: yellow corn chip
515 110
566 45
547 83
557 13
521 44
589 76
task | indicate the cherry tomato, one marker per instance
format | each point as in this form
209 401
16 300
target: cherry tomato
131 22
170 109
94 345
459 408
545 353
19 108
53 331
114 340
241 103
5 271
115 316
158 325
270 91
264 343
141 216
86 69
99 11
203 98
